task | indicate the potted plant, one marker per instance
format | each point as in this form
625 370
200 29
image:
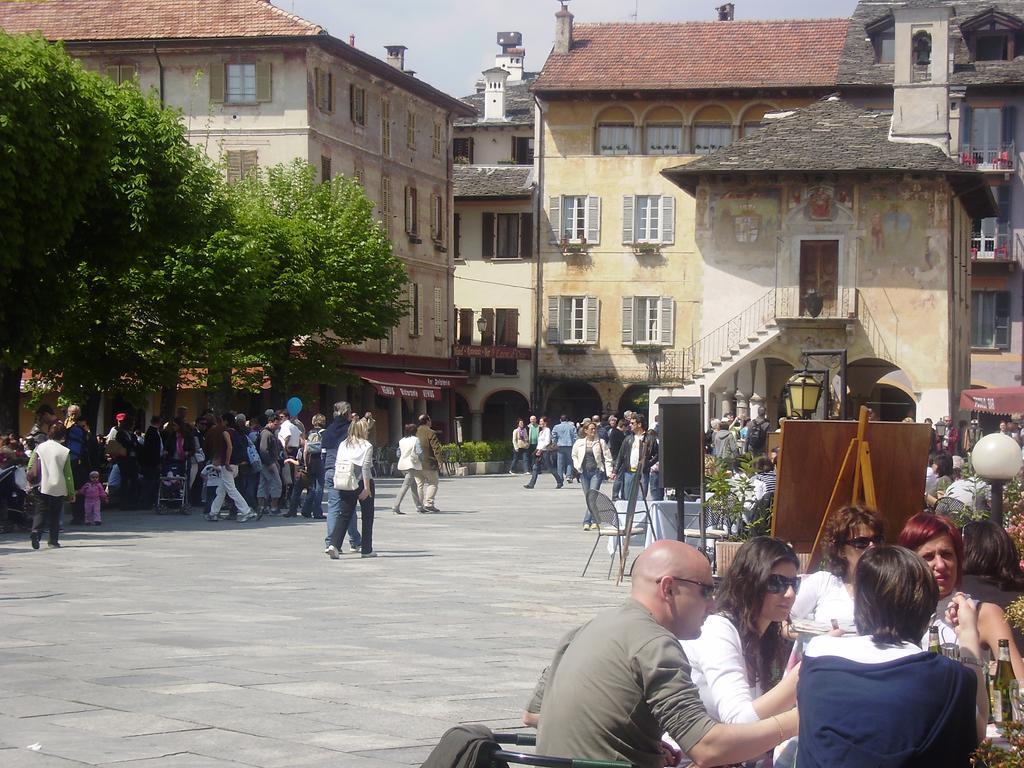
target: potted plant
723 510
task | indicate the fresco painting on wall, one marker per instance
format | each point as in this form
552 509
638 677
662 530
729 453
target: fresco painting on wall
746 220
897 225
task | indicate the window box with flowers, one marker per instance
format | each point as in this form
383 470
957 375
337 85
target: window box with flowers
575 247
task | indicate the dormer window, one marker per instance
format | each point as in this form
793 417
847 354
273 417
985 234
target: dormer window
992 48
885 46
922 49
993 35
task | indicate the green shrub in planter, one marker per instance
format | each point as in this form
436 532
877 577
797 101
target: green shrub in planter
480 451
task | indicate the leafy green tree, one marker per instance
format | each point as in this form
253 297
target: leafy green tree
54 138
139 296
332 276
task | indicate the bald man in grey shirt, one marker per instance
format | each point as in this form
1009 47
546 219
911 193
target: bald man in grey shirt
619 682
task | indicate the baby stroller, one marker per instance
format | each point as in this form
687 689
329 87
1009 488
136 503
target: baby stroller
12 501
172 494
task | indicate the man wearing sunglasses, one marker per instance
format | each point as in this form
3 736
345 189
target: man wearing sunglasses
619 682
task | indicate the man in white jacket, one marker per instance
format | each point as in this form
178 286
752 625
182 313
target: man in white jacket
542 456
49 469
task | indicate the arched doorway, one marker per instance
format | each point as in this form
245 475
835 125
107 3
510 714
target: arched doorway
576 399
501 410
637 397
882 387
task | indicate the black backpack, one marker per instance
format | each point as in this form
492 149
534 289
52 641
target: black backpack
756 434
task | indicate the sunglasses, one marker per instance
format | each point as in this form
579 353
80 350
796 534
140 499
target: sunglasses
707 591
863 542
779 584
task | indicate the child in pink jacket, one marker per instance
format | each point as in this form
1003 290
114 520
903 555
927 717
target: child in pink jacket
93 492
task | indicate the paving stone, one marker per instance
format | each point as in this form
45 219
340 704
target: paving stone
167 642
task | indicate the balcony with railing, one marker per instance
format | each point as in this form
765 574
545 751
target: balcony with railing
1001 157
992 244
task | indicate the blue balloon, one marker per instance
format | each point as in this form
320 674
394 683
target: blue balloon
294 406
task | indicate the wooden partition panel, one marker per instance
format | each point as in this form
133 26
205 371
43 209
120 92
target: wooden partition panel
810 461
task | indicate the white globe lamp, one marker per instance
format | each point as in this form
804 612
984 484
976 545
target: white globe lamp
997 459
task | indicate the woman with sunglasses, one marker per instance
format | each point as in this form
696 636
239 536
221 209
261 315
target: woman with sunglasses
741 651
937 540
827 596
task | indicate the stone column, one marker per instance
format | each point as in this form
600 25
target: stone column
476 426
742 407
394 420
727 402
421 407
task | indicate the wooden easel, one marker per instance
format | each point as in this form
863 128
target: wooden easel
854 483
631 510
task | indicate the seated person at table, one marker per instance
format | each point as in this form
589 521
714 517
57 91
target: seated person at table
827 595
938 541
619 682
764 477
992 572
741 652
877 699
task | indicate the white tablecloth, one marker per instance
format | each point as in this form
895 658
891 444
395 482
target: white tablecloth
663 524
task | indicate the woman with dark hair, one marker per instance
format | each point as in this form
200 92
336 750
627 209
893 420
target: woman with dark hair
992 571
937 540
943 469
827 596
877 699
741 650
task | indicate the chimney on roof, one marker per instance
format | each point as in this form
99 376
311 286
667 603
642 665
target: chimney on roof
563 29
726 12
512 54
396 56
352 40
494 93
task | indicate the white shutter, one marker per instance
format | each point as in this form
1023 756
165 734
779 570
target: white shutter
554 334
555 216
591 310
628 206
668 219
667 320
593 219
419 310
627 320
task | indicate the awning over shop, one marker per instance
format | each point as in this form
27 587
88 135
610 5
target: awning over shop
397 384
1002 401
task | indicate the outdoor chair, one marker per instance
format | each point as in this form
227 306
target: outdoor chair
720 512
602 509
951 507
501 757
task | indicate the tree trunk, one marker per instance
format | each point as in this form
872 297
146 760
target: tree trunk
219 389
168 397
91 411
10 399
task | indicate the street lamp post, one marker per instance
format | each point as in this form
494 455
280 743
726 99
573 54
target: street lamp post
997 459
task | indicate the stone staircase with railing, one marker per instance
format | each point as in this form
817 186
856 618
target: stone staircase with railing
757 326
738 337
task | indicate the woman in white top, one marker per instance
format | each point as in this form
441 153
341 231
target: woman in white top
827 596
358 452
410 464
741 650
593 460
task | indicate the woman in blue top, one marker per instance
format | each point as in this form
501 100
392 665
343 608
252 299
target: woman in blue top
877 699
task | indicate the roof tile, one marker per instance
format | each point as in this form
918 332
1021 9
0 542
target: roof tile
492 181
698 55
151 19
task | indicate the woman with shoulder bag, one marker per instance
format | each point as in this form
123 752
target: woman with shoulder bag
592 458
520 447
354 484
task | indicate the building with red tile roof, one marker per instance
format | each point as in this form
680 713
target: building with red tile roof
257 86
697 55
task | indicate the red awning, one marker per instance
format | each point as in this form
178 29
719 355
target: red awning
999 400
396 384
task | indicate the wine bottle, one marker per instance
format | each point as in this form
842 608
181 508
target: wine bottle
1002 712
933 640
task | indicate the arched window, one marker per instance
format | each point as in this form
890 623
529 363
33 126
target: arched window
663 132
712 129
753 119
615 132
922 49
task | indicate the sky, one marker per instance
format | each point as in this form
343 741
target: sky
451 41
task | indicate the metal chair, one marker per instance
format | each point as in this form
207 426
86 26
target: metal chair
951 507
602 509
501 757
